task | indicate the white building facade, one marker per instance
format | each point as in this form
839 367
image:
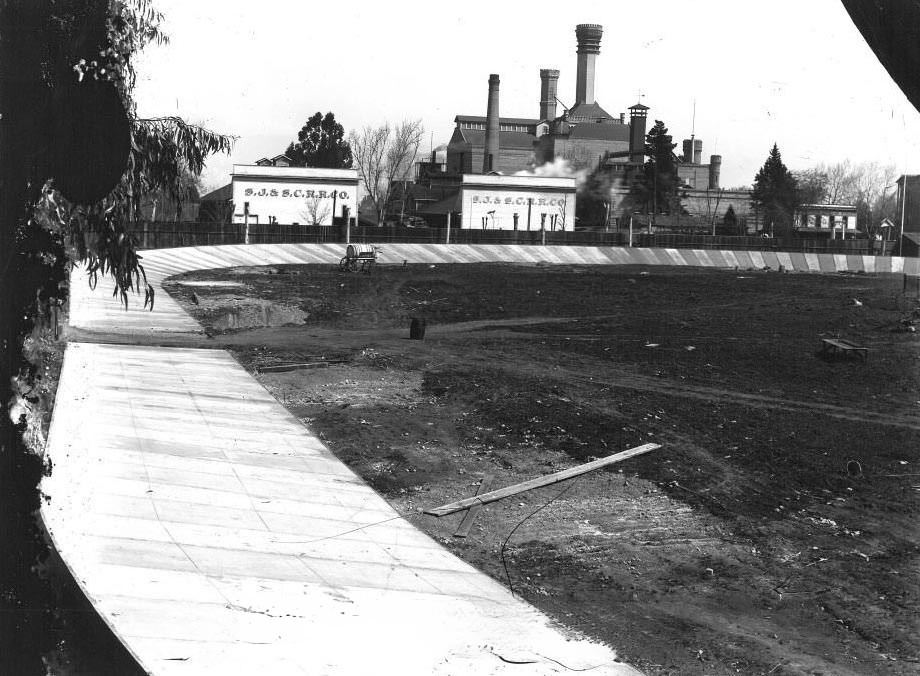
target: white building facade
495 202
836 221
292 195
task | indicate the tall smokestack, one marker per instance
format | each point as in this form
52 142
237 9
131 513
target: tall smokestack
548 80
715 168
589 46
490 151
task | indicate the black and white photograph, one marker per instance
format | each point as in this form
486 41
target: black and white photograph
481 338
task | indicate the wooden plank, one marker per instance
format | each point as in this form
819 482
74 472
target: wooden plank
282 368
844 346
464 529
539 482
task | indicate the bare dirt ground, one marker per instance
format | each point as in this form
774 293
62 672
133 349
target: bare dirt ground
744 545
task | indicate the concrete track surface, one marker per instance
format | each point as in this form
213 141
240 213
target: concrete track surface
213 532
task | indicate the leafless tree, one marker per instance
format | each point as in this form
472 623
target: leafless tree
316 210
383 156
865 185
561 214
712 210
840 181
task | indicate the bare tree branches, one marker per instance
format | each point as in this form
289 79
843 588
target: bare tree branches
316 211
383 156
865 185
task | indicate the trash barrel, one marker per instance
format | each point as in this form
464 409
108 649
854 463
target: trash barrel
417 329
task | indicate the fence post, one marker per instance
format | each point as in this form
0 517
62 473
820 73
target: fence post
246 222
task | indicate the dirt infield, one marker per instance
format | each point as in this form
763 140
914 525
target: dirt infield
775 531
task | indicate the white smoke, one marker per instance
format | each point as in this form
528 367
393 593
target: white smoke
558 168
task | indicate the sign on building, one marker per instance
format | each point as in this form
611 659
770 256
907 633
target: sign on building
493 202
293 195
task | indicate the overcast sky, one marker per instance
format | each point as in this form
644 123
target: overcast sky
794 72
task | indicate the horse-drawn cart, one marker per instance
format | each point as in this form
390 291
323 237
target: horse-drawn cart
359 257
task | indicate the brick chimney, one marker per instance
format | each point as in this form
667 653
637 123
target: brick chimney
589 46
548 80
638 116
490 151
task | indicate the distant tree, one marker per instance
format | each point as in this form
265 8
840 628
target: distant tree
864 185
730 221
656 188
871 182
316 211
384 156
321 143
812 185
168 205
775 194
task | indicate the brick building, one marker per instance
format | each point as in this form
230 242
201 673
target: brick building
582 134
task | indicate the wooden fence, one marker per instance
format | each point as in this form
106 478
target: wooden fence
162 235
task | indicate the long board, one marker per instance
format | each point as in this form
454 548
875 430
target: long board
549 479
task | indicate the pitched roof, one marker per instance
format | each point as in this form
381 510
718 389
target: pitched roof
224 192
587 111
506 139
600 130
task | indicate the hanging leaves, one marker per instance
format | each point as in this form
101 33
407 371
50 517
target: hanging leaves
164 151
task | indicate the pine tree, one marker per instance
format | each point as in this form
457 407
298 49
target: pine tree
321 143
775 195
730 221
655 189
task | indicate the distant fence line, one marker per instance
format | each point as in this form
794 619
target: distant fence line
164 235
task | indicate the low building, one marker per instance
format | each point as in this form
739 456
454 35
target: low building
909 214
833 221
494 202
273 193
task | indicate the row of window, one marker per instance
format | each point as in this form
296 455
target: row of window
504 127
836 221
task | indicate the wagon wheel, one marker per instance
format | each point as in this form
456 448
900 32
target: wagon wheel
343 264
